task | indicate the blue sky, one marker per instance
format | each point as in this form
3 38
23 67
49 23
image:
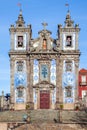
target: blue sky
35 12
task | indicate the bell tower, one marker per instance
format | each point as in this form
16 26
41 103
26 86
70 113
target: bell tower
20 39
69 64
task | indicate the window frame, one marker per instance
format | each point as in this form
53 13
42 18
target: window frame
18 41
68 41
20 63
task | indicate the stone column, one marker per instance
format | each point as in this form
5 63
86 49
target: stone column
76 74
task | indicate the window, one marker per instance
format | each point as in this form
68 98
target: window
68 41
83 78
20 66
20 93
20 41
68 65
68 92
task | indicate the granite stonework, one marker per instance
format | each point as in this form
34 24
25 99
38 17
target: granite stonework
43 119
44 71
46 126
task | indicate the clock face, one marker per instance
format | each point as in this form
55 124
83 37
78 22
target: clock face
68 79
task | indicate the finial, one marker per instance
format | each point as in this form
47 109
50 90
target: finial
44 25
20 11
20 22
68 12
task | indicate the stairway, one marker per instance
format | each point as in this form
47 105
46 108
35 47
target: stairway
74 116
44 115
12 116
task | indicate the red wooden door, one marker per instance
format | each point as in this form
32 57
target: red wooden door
44 100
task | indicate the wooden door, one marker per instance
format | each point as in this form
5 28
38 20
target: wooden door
44 100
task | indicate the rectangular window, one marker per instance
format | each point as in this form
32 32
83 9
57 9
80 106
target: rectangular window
68 41
83 79
20 41
19 66
20 93
68 92
68 65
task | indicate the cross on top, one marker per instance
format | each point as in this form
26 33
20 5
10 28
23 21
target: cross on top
19 5
44 25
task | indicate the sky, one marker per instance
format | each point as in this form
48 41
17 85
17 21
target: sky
35 12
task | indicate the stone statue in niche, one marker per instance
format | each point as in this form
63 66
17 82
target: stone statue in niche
44 44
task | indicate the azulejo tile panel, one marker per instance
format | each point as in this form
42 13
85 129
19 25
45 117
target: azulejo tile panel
35 72
68 79
20 79
53 72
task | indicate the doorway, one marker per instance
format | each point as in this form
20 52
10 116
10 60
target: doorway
44 99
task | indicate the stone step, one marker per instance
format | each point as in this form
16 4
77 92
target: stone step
74 116
11 116
44 115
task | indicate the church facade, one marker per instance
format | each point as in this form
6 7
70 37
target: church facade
44 71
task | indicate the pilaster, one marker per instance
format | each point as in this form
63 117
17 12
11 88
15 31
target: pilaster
12 64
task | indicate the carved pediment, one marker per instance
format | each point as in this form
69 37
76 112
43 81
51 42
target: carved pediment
44 84
44 43
20 87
